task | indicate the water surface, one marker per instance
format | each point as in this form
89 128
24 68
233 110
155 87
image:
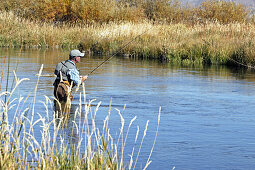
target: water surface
207 118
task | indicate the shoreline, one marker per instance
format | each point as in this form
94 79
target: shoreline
210 43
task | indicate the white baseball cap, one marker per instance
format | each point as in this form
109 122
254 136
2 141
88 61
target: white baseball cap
76 53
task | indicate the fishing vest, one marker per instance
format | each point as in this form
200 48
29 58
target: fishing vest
64 67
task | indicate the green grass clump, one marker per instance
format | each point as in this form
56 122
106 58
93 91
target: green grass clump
94 148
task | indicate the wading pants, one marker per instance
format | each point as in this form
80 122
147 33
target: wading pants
61 91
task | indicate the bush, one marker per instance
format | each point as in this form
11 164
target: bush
105 11
93 10
222 11
129 12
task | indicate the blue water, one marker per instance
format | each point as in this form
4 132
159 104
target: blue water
207 114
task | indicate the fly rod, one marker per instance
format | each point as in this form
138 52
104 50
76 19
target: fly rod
111 56
114 54
120 48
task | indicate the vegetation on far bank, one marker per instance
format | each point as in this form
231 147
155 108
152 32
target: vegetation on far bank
215 32
106 11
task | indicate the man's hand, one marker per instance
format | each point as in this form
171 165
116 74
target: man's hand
83 78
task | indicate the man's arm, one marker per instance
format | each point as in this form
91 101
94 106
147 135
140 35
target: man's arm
75 76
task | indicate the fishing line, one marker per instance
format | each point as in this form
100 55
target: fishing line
114 54
111 56
233 60
242 64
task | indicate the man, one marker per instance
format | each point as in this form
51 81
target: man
68 76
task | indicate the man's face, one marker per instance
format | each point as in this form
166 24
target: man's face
78 59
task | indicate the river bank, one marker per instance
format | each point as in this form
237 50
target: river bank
208 43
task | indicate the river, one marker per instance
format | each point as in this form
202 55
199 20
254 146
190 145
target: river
207 113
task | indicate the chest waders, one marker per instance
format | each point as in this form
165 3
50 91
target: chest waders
63 87
63 91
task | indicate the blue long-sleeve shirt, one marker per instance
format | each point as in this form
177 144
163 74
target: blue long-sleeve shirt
74 75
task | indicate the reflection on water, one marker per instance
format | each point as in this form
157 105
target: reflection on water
207 117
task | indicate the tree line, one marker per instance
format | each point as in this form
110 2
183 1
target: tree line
107 11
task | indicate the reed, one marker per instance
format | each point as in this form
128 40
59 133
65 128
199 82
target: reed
211 42
94 148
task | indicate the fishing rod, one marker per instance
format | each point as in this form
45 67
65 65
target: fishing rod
114 54
120 48
110 57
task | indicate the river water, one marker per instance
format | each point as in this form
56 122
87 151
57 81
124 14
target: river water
207 114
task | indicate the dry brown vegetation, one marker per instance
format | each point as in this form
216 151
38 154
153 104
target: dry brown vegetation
105 11
215 32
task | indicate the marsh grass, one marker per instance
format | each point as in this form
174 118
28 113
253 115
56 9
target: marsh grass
214 32
93 147
203 43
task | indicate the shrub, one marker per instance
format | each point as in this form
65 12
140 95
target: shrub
93 10
129 12
105 11
222 11
172 11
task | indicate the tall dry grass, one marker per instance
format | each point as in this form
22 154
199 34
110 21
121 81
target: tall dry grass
215 32
22 148
202 43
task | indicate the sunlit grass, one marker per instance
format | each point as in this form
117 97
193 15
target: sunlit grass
95 148
208 43
105 11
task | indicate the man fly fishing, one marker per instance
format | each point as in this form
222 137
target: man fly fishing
68 76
